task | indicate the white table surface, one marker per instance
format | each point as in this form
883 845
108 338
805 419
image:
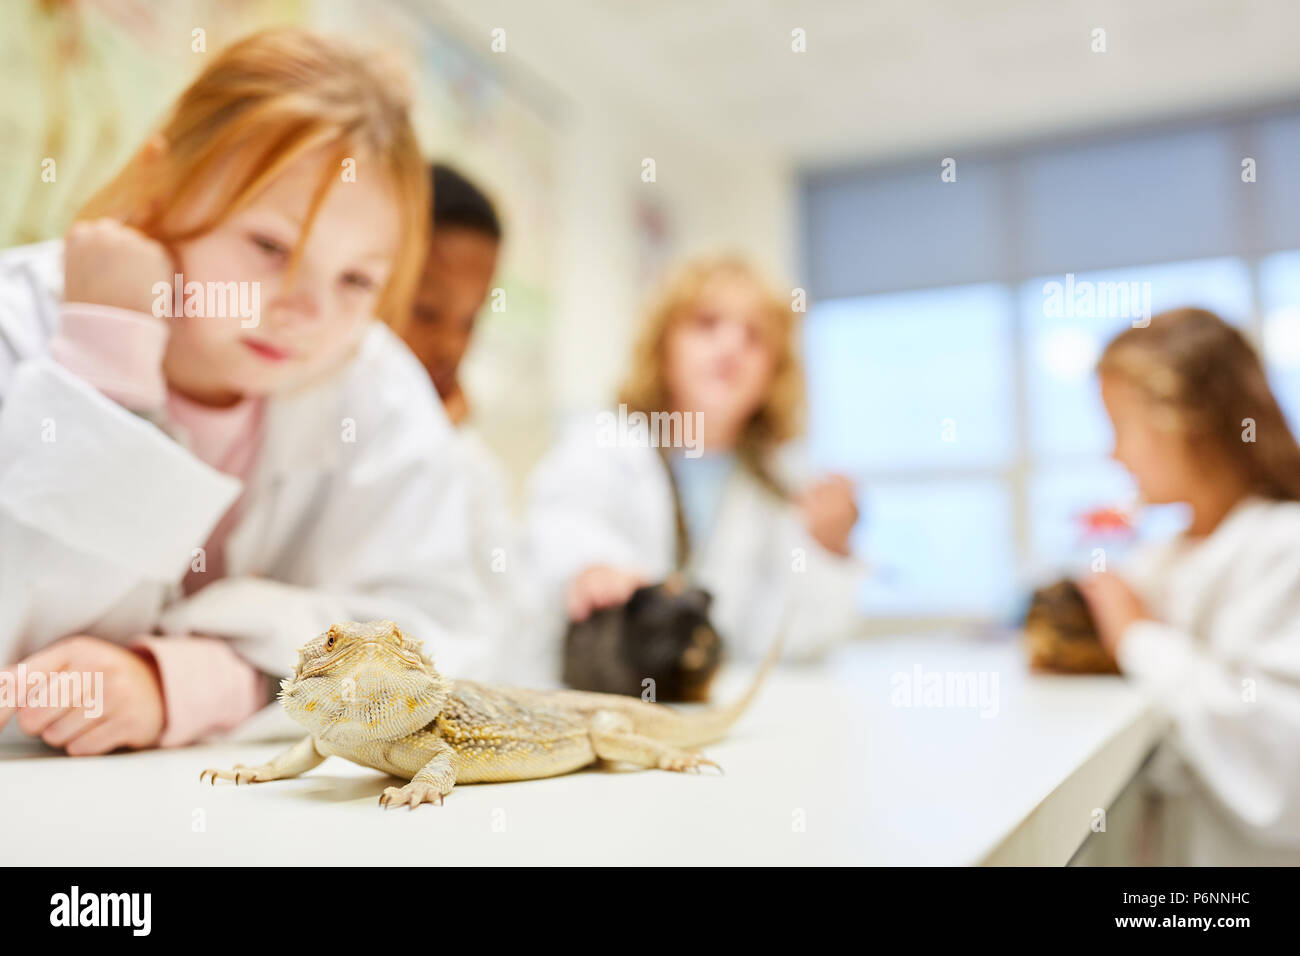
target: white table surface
826 768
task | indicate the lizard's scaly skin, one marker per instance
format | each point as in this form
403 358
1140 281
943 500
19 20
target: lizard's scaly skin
367 693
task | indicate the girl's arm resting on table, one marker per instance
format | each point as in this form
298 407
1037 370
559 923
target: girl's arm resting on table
151 692
1237 720
100 487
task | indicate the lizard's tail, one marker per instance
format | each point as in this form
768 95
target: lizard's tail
695 730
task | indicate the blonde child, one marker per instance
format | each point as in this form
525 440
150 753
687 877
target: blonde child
610 510
188 494
1209 622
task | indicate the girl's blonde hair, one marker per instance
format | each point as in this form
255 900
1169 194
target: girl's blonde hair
1205 379
780 417
273 97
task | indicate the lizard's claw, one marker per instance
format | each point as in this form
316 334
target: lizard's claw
239 774
413 794
681 761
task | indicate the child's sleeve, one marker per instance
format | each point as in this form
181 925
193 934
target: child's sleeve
574 520
1236 709
118 351
814 593
207 688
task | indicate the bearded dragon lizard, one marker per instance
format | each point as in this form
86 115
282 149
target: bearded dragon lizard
368 693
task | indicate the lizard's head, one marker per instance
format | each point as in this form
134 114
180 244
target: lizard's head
360 682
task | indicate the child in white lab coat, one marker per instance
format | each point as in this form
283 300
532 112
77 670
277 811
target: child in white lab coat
454 285
1209 622
209 448
611 507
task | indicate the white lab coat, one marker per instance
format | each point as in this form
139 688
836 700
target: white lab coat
590 505
1224 665
498 559
356 508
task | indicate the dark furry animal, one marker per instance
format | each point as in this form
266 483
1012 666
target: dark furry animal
662 633
1061 633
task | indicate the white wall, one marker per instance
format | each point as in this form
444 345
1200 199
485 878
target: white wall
713 199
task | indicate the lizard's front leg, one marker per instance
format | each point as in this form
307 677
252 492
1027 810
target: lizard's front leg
429 785
299 758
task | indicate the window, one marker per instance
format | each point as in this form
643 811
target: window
920 384
938 547
968 411
1279 282
914 380
914 394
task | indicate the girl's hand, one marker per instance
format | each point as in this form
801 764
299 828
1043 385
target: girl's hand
829 512
1114 606
107 263
125 710
597 587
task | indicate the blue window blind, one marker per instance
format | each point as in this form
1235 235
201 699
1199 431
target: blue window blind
1143 200
1278 183
904 229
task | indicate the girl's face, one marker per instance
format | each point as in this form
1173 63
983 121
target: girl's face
304 327
1160 460
721 354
